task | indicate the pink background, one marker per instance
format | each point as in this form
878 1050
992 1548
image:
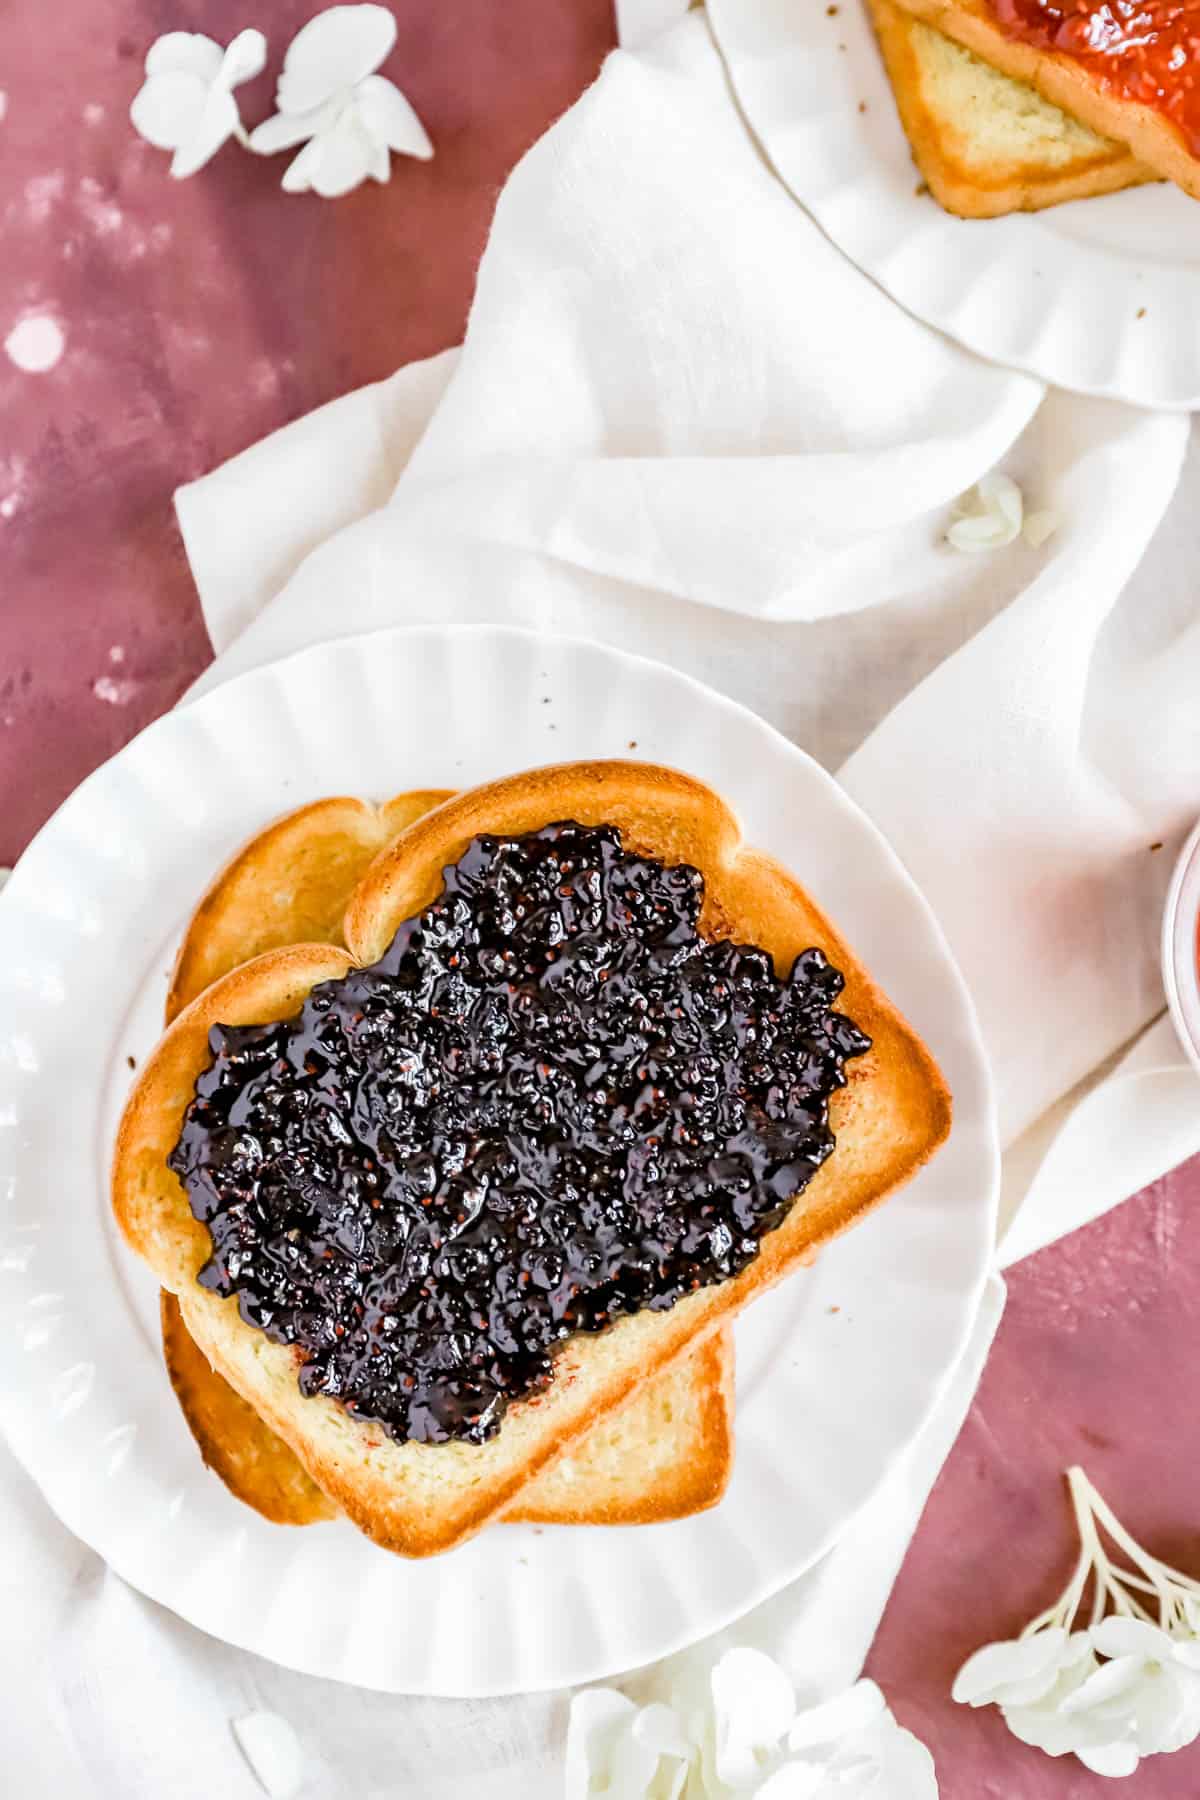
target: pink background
197 317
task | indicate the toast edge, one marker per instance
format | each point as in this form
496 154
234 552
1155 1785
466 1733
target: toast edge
690 1488
1020 187
1153 140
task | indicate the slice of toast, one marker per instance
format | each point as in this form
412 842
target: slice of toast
986 144
1068 83
288 885
665 1454
668 1453
255 1465
420 1499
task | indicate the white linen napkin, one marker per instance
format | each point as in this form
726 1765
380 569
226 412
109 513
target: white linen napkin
682 423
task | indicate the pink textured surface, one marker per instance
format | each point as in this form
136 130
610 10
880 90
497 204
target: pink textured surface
198 317
1097 1362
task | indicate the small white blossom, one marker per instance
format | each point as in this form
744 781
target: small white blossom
331 100
989 517
1147 1694
630 1752
738 1733
1124 1688
1045 1724
1019 1671
186 102
754 1704
851 1747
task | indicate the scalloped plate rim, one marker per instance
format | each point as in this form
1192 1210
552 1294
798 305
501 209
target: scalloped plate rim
1123 318
595 1660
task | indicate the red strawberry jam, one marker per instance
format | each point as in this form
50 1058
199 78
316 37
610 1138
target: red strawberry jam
1142 50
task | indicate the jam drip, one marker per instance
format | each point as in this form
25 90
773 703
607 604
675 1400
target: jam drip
1143 50
549 1103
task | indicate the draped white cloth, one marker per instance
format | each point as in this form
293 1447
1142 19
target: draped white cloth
682 423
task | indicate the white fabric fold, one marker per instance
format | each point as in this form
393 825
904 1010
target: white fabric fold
821 1627
638 21
282 498
1055 779
682 423
1125 1126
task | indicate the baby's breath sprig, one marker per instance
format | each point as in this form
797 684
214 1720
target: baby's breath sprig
1124 1685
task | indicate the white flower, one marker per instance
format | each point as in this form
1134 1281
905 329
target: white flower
1044 1723
993 515
628 1752
331 100
989 517
1019 1671
1125 1688
859 1708
851 1746
186 102
1147 1694
754 1703
737 1732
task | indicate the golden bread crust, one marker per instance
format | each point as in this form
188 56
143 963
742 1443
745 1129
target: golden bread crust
678 1428
288 885
254 1464
667 1454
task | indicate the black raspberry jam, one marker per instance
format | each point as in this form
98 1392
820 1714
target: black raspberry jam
549 1103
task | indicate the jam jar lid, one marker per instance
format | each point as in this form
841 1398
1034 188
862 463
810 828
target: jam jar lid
1181 947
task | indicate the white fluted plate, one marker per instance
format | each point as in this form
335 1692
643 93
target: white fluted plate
837 1369
1098 296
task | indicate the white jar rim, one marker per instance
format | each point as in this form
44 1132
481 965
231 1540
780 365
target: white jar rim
1181 947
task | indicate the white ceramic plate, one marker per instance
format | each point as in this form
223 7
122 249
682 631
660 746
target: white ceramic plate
837 1369
1099 295
1181 973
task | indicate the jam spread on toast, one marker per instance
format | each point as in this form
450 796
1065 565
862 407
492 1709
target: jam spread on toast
1143 50
549 1103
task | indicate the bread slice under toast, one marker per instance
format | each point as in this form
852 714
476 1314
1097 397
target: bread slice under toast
667 1453
986 144
1153 139
664 1454
420 1499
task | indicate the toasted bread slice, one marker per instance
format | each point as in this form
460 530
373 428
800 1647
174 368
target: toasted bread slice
669 1453
254 1464
986 144
665 1454
1152 138
288 885
420 1499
